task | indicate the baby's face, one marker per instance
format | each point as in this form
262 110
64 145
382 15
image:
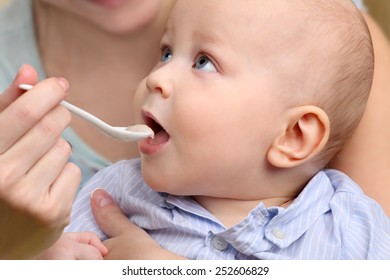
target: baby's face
216 95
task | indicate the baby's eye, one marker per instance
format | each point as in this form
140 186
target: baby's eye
204 63
166 55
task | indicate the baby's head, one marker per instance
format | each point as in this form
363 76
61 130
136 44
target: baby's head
246 91
337 67
322 54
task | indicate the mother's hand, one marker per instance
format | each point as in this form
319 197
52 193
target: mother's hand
37 185
126 240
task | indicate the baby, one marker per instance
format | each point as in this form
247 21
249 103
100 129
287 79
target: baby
249 102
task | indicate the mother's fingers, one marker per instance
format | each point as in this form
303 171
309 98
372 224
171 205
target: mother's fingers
51 168
65 187
108 215
28 150
21 115
46 193
50 165
25 75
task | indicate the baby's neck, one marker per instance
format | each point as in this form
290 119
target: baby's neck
232 211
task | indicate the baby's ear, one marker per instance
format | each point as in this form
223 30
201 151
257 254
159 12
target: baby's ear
304 135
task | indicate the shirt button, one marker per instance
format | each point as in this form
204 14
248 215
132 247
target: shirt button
278 233
219 243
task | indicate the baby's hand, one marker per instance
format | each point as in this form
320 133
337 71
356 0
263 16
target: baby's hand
76 246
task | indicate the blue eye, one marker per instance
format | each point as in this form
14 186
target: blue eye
166 55
204 63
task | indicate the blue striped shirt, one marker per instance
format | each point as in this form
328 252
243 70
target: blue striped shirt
330 219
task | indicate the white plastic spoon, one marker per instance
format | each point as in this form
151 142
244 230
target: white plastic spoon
128 134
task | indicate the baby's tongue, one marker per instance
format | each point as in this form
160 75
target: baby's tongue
159 138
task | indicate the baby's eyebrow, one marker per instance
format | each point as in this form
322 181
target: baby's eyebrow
208 36
166 31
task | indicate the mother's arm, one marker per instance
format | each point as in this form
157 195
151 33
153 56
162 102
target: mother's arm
366 158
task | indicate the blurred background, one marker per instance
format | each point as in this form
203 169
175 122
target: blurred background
380 10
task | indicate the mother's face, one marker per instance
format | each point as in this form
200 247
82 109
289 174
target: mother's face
116 16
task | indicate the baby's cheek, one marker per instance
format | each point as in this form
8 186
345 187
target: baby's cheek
140 95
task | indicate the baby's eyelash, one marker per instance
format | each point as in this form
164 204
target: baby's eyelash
165 53
209 57
164 47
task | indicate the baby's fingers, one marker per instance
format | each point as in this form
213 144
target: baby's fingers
93 240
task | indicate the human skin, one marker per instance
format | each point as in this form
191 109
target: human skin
76 246
194 90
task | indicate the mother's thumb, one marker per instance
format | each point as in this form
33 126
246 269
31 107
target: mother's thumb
107 213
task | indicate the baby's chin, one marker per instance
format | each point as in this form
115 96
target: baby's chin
164 186
156 182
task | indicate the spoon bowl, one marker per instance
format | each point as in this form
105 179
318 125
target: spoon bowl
128 134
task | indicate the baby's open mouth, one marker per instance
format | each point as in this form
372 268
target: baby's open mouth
160 134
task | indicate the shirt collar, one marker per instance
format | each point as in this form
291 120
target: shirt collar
279 224
311 203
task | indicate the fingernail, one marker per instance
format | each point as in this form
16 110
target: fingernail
71 147
101 198
63 83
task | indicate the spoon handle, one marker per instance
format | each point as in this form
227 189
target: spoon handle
77 111
85 115
120 133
